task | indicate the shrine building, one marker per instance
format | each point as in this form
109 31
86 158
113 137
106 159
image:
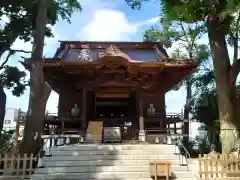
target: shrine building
117 83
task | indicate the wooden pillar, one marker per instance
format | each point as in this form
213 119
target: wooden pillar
84 108
175 127
142 133
161 125
141 118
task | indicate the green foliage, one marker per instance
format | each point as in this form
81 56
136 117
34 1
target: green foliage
205 108
234 30
6 139
12 77
182 35
186 36
136 4
195 10
165 34
222 17
22 17
204 81
183 38
201 53
21 23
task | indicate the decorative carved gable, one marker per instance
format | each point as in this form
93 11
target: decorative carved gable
112 50
113 58
115 51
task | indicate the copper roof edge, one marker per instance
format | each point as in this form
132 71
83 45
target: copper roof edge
115 42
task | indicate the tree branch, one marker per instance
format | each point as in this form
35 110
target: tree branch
11 52
6 60
21 50
184 32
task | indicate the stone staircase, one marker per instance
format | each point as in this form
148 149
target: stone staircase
105 162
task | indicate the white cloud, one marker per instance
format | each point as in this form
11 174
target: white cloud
110 25
152 20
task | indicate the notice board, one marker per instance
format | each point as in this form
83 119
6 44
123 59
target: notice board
94 131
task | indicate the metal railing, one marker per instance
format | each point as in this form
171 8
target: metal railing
183 152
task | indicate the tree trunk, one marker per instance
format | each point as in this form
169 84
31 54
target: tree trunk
36 112
3 99
226 91
210 135
39 89
187 110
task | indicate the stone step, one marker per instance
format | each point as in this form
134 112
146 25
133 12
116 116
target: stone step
69 163
92 169
42 178
86 175
109 162
100 169
105 175
110 157
114 152
96 147
183 174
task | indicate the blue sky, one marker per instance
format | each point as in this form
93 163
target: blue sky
103 20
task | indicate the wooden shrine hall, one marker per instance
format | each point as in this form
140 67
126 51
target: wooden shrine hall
117 83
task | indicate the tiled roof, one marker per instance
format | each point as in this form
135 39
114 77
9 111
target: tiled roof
93 51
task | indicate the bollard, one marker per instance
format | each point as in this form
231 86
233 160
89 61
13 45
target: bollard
53 141
40 163
169 140
62 141
81 139
58 141
183 161
68 141
177 151
47 147
48 152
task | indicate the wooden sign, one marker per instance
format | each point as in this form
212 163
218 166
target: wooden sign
160 169
94 131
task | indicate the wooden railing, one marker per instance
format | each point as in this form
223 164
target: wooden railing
165 130
16 166
162 115
219 167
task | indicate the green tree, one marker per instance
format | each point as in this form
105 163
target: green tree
184 39
220 21
204 109
39 89
21 22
